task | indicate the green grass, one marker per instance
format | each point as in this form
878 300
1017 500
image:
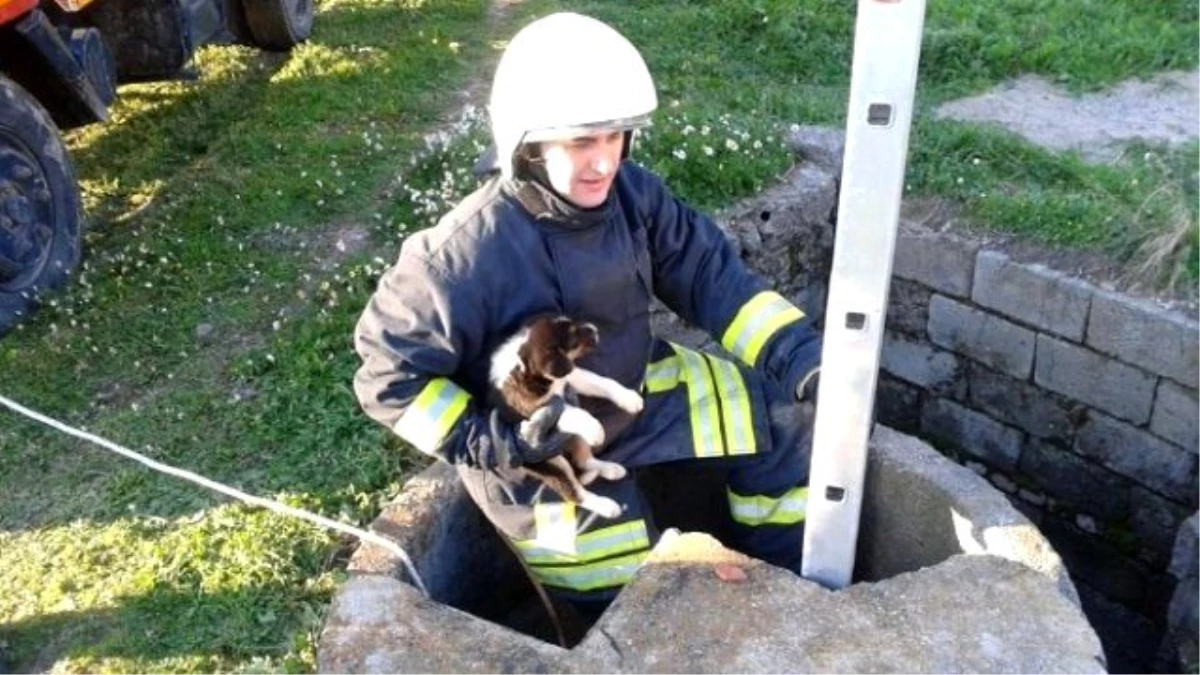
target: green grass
771 63
217 202
220 203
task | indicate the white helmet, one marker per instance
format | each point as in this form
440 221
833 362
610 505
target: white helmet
567 75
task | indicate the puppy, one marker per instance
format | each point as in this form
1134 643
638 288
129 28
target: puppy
538 364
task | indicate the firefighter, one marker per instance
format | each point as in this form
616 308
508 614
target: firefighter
569 225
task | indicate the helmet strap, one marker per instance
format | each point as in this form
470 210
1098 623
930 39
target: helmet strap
627 146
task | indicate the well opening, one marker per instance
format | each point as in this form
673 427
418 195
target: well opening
919 510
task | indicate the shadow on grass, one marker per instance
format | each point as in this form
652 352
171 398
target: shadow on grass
192 630
163 129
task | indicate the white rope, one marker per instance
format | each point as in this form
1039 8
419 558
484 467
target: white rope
268 504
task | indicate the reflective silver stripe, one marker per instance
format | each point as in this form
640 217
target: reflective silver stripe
662 375
602 543
603 574
735 407
788 509
760 318
432 414
702 404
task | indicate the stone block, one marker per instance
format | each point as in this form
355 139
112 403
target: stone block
984 337
1037 499
1032 294
1184 555
1003 483
942 262
926 620
1141 333
822 146
1182 617
1086 523
1156 522
1021 404
1094 379
1176 416
785 234
908 308
919 363
973 432
1140 456
1076 482
920 621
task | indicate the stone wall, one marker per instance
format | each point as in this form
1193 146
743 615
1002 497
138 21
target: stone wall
1183 619
1078 402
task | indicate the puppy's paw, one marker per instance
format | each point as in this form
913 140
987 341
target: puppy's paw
609 470
601 506
589 475
581 423
630 401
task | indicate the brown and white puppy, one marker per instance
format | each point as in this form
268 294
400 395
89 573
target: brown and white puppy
537 364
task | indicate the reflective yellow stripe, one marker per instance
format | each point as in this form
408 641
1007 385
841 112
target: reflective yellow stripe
601 543
760 510
432 414
662 375
554 524
756 322
603 574
716 429
702 404
735 407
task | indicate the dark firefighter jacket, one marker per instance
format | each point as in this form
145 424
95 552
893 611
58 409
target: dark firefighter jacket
513 250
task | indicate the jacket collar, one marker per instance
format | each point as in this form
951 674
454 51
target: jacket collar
545 204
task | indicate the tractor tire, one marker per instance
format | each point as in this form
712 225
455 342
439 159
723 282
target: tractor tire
40 217
278 25
235 23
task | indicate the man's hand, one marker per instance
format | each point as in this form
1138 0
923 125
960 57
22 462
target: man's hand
537 439
806 394
806 389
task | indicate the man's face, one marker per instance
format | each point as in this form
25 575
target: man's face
582 168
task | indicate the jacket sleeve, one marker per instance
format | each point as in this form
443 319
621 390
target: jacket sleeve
411 344
698 274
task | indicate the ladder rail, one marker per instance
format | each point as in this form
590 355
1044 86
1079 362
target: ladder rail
887 42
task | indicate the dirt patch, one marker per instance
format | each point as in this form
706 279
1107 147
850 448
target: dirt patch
1164 109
